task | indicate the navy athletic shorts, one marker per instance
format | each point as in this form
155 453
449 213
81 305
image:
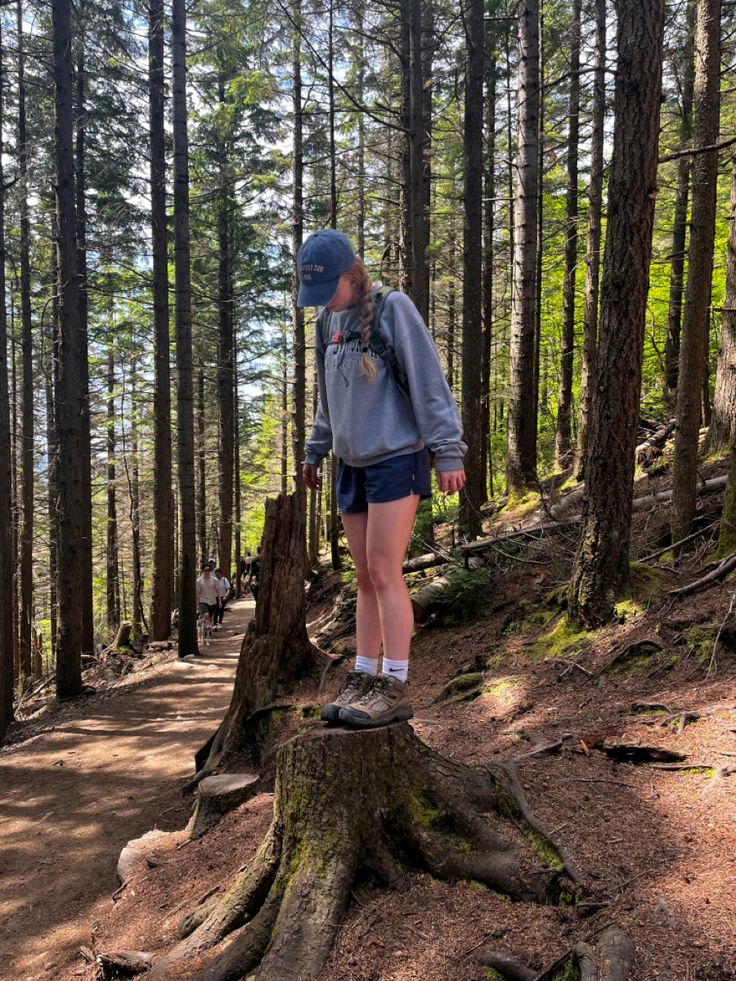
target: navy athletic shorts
390 480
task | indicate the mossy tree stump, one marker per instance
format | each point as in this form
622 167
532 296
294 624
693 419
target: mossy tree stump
351 801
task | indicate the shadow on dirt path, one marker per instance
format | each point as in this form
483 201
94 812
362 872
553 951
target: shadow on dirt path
106 770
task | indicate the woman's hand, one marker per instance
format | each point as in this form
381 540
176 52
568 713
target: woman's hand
310 475
450 481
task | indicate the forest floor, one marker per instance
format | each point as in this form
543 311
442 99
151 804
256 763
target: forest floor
82 779
656 848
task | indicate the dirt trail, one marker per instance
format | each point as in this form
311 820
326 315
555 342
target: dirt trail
108 770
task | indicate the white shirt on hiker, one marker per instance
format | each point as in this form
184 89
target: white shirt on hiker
207 590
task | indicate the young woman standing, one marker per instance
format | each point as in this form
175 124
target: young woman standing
383 407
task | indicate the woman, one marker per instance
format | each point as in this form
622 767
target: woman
384 405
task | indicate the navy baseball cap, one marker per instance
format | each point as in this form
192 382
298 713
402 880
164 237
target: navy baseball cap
322 259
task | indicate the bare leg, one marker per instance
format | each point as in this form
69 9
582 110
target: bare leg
387 536
368 622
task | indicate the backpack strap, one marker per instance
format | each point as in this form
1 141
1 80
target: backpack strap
378 343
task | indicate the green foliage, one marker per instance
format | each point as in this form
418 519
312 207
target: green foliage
467 597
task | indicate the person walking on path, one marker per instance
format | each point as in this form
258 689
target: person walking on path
207 596
384 406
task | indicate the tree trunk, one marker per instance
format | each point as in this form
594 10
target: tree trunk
236 463
113 571
51 445
298 339
225 370
70 392
201 453
727 534
473 494
694 341
451 307
593 257
564 405
722 430
84 597
424 809
26 535
183 304
163 500
679 226
276 649
489 194
6 521
418 190
139 624
602 560
522 424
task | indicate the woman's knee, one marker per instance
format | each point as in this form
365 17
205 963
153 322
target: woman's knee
383 575
362 574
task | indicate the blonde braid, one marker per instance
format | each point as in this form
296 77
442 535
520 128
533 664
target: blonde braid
364 294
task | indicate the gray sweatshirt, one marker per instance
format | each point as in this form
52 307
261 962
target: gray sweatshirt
366 421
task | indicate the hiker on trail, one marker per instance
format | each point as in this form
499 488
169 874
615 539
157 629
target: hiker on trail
254 573
223 591
207 598
384 406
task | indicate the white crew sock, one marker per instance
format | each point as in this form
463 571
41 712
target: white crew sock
369 665
397 669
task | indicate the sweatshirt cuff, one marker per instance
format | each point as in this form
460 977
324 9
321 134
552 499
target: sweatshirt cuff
313 459
448 463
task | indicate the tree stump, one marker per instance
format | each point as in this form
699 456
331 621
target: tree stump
276 649
348 801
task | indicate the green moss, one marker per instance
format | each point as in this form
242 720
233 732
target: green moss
562 640
500 689
522 504
460 684
700 771
421 813
569 971
700 639
545 850
493 974
627 609
310 711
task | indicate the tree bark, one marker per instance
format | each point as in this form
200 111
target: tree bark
6 521
727 533
722 430
564 405
602 561
163 499
201 454
70 393
473 494
694 341
522 424
593 257
183 306
489 214
679 225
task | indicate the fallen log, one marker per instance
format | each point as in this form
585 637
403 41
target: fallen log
650 448
431 559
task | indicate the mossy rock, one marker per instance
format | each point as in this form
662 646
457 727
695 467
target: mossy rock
501 689
701 637
460 685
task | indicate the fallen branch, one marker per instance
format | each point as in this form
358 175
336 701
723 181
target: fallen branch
720 572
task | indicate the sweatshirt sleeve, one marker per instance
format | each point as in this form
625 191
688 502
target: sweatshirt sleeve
319 443
433 403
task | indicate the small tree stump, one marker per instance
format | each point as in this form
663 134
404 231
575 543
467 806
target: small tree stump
347 801
133 858
218 795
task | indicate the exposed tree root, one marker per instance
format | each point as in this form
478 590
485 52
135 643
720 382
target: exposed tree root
375 801
611 960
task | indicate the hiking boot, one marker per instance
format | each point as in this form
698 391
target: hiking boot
355 685
385 701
